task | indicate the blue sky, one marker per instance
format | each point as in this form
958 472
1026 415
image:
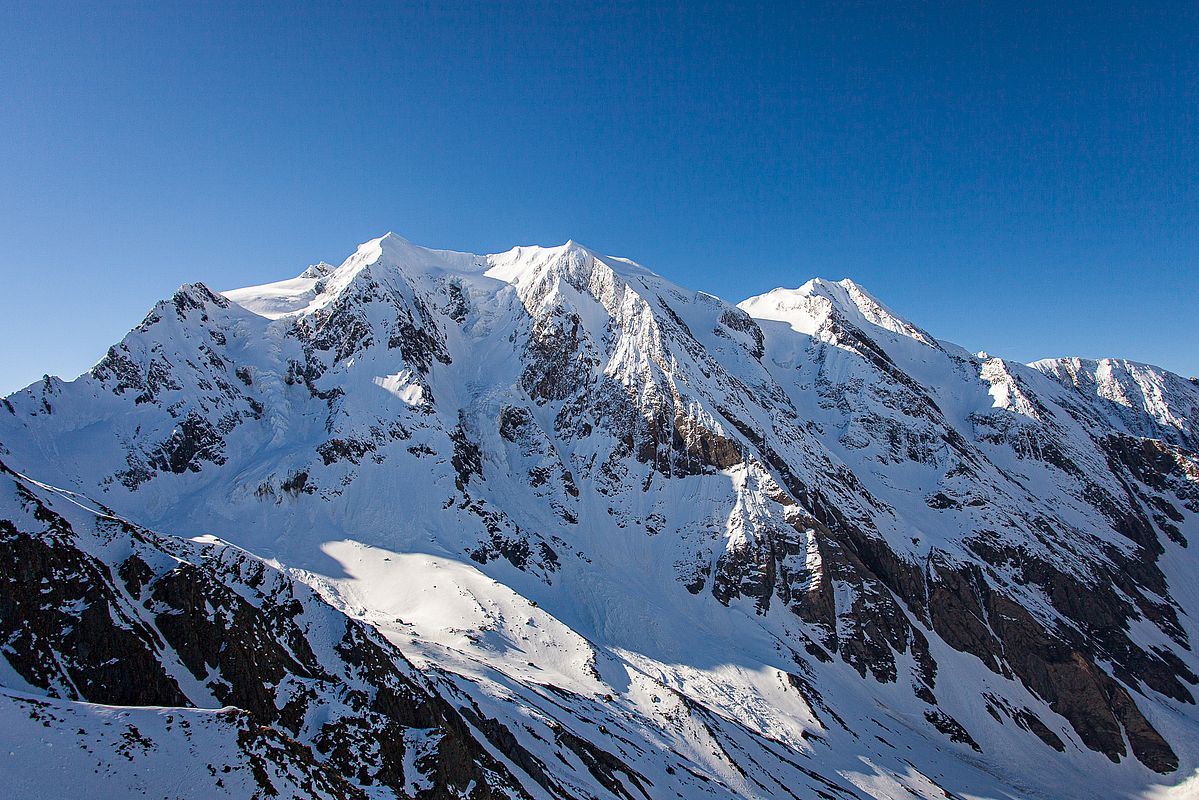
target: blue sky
1020 178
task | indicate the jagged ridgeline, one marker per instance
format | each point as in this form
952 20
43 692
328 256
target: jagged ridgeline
544 524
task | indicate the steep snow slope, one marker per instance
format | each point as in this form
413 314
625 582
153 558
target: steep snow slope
669 545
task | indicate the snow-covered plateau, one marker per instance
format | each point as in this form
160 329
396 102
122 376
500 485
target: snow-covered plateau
543 524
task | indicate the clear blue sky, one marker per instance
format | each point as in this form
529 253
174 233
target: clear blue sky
1021 178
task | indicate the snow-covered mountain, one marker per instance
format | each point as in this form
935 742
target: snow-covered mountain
602 536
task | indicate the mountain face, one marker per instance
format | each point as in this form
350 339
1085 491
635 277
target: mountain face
543 524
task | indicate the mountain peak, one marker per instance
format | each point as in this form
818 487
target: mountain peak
313 287
392 253
807 308
394 250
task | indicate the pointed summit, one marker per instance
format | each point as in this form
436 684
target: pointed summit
393 250
808 308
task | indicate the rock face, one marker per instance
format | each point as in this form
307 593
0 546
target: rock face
636 541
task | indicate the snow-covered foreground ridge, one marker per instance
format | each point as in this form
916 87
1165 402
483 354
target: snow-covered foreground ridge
544 524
